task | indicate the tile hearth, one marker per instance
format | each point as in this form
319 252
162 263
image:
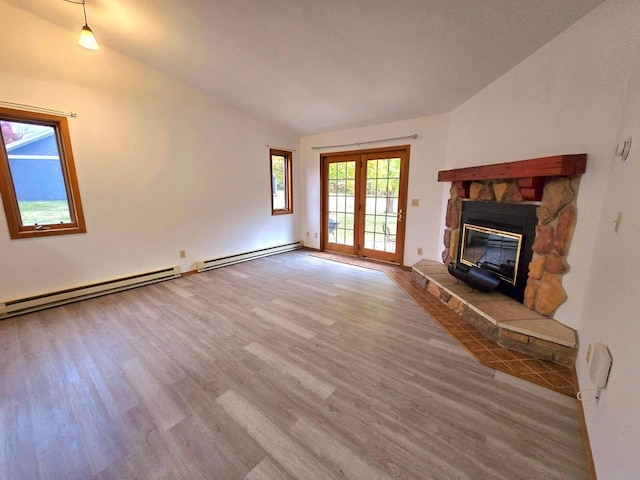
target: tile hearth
499 317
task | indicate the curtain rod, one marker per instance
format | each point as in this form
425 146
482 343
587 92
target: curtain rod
31 108
357 144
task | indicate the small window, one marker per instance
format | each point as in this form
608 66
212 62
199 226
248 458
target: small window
37 175
281 186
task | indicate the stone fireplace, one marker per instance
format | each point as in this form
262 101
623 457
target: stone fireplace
547 188
548 185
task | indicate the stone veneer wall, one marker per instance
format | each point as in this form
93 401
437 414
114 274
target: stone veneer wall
557 216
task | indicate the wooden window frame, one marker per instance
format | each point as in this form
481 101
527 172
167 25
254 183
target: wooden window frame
288 171
7 190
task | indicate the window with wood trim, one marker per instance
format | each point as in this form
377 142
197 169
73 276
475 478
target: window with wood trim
37 176
281 182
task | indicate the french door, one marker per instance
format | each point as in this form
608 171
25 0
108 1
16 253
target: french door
364 197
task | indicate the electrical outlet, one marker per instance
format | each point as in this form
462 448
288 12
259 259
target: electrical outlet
307 233
415 202
316 234
183 254
419 250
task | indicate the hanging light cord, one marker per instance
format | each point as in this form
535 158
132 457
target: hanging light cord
84 10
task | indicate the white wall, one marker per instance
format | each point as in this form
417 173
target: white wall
570 97
161 166
426 158
611 308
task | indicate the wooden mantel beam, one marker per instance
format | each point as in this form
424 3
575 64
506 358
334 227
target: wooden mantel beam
558 165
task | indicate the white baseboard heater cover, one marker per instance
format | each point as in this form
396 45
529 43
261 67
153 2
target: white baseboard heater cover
61 297
205 265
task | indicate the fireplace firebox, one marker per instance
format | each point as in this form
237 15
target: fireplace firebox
497 251
497 239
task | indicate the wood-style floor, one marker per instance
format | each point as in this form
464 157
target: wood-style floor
287 367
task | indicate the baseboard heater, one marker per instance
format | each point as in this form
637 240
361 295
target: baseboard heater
205 265
61 297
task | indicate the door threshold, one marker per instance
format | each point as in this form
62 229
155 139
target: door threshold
359 257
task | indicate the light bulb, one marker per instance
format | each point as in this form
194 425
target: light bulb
87 39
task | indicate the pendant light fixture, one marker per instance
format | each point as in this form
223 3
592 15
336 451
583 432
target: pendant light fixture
87 39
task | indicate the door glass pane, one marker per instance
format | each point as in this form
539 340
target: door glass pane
381 208
36 173
342 187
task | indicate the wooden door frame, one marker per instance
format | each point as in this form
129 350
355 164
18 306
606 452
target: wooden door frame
360 194
324 181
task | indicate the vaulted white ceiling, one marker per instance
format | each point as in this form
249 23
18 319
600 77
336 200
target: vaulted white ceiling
325 65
